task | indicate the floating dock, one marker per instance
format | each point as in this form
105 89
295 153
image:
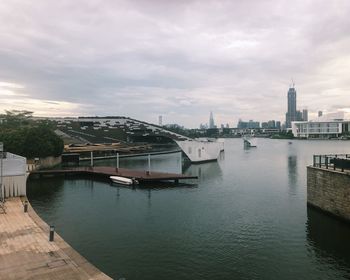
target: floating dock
107 171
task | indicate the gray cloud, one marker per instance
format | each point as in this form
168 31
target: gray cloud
180 59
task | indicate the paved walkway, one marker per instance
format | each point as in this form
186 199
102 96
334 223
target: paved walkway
26 253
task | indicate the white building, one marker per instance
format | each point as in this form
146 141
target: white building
324 127
12 175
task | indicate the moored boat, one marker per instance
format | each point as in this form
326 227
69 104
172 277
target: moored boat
123 180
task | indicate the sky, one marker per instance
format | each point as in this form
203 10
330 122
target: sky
179 59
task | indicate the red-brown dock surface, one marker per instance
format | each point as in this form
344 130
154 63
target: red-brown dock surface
106 171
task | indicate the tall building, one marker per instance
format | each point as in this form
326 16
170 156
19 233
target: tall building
299 116
251 124
320 113
278 124
160 120
211 121
305 115
291 114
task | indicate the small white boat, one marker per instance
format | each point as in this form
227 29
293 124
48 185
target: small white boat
123 180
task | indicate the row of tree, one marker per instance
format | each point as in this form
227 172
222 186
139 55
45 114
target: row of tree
24 136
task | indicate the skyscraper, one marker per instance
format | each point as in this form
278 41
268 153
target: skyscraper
291 114
211 121
305 115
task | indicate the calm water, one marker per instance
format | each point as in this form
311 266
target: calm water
245 218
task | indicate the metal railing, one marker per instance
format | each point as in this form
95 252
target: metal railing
332 161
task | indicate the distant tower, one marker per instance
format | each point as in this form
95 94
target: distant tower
160 120
320 113
291 114
305 115
211 121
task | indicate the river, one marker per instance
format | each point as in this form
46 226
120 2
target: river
244 218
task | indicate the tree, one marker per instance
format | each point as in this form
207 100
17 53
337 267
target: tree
26 137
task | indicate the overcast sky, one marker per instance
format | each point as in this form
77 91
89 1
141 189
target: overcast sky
179 59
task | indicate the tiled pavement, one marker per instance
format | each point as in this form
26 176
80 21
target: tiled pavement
26 253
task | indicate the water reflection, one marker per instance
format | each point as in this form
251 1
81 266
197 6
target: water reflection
163 163
47 188
292 172
328 237
204 171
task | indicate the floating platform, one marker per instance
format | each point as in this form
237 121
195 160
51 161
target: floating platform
107 171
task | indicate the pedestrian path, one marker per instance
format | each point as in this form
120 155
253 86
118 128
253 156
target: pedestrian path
26 253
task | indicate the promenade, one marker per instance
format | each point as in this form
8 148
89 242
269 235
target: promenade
26 253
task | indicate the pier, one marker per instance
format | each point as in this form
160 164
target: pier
106 171
27 253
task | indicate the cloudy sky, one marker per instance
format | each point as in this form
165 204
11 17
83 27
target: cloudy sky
180 59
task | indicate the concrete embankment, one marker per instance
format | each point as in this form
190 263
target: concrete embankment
26 253
329 190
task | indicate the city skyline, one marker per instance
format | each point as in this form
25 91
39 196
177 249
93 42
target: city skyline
179 60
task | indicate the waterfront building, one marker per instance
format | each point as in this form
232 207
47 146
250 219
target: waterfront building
324 127
291 114
264 125
99 130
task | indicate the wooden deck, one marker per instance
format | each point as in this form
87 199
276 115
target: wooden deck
26 253
106 171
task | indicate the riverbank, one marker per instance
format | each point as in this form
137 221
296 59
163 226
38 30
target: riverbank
26 253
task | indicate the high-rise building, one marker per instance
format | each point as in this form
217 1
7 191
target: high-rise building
271 124
291 114
211 121
278 124
160 120
305 115
299 116
320 113
251 124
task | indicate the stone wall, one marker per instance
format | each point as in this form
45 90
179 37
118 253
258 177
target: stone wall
329 190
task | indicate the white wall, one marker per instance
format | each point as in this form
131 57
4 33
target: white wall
198 151
14 175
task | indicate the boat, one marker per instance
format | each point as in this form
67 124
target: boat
123 180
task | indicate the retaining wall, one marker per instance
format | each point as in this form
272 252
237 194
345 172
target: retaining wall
329 190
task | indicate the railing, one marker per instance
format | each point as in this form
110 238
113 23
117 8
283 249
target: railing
332 161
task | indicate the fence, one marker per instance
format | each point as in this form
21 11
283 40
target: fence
332 161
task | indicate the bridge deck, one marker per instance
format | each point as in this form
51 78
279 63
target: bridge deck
106 171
